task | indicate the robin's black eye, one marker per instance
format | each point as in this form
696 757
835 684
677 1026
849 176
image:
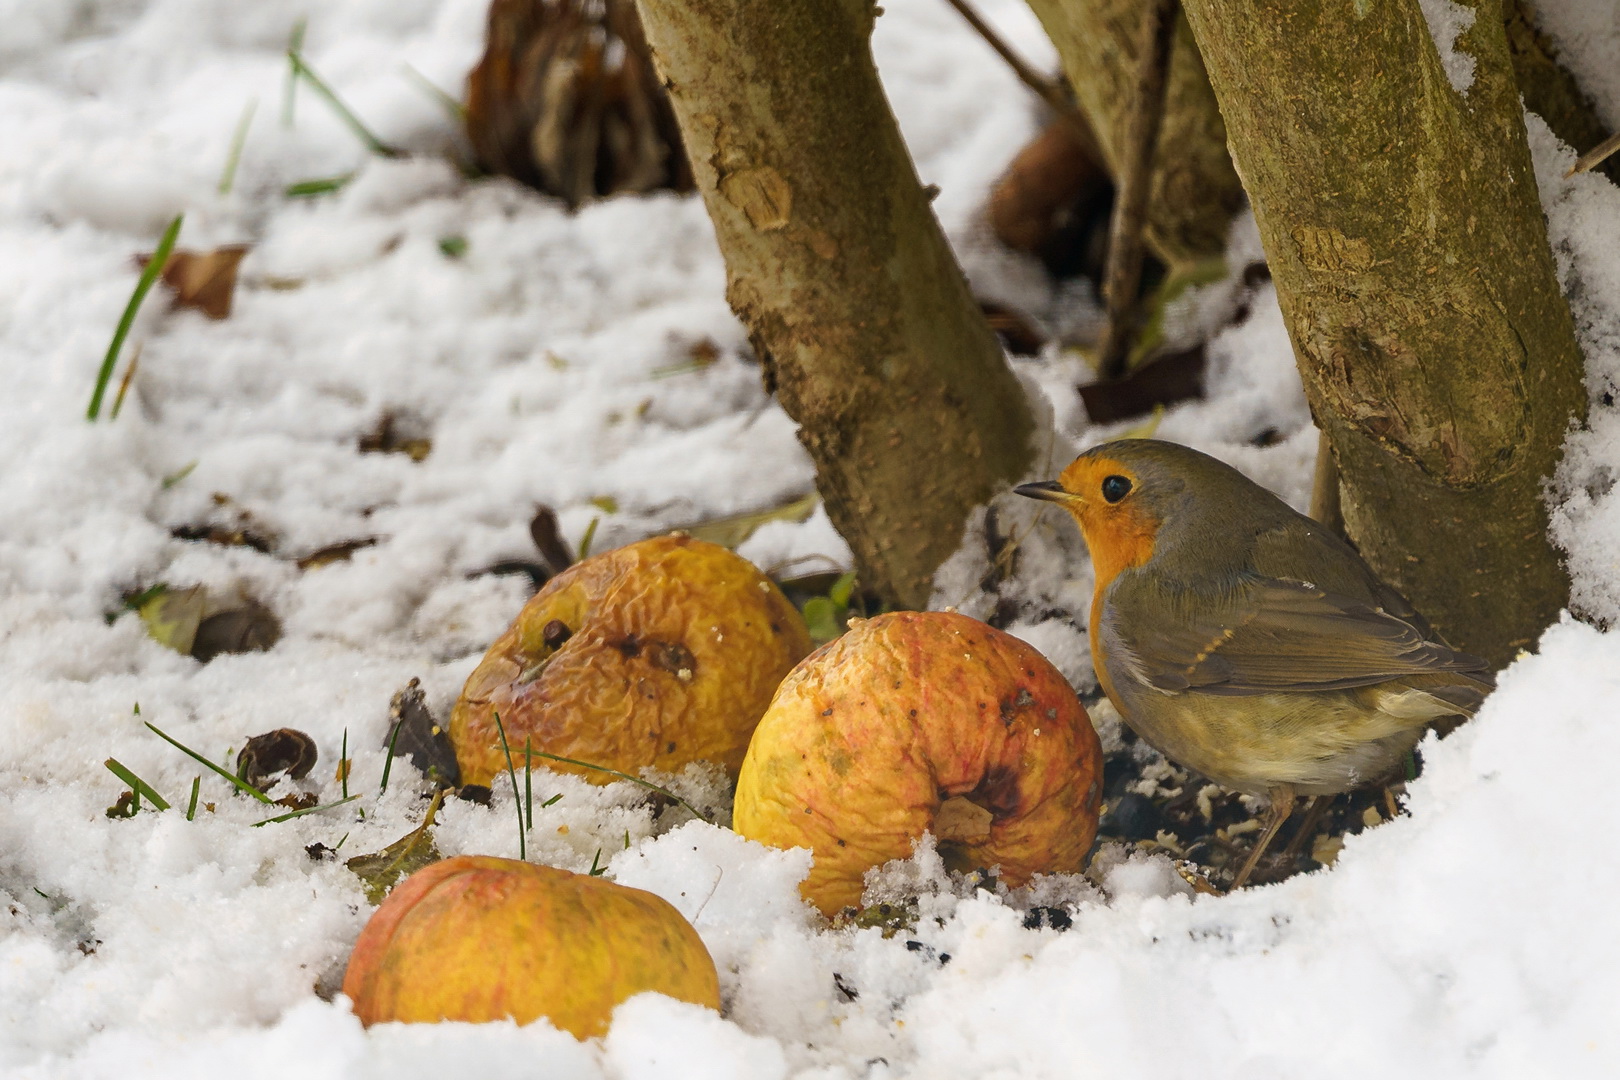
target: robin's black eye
1115 488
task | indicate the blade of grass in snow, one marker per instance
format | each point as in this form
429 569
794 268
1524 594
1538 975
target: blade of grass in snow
388 764
123 384
585 541
289 88
191 807
622 776
528 784
239 784
179 474
160 259
305 810
453 108
305 189
303 71
523 843
140 787
597 869
552 801
343 763
233 158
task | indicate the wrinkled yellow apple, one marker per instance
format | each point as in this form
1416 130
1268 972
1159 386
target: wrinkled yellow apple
659 653
922 721
477 938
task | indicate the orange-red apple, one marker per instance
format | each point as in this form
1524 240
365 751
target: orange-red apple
477 938
659 653
922 721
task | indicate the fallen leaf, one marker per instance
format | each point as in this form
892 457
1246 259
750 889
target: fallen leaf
380 871
225 536
1165 381
398 433
1017 330
249 628
414 733
731 531
172 616
285 750
205 280
548 539
334 553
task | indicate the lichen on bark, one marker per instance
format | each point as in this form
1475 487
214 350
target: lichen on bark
1402 226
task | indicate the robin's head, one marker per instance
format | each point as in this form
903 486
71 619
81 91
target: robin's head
1123 493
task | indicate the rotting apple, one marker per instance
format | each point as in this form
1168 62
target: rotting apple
660 653
922 721
478 938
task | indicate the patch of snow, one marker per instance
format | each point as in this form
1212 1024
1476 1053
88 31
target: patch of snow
1449 20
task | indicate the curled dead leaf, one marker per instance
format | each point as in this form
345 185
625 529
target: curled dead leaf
265 757
205 280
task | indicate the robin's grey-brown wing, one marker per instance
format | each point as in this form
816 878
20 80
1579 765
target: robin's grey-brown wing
1258 635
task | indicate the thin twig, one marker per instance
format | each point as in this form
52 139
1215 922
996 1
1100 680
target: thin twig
1596 156
1124 271
1048 90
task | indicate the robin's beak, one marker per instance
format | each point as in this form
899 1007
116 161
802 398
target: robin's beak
1046 491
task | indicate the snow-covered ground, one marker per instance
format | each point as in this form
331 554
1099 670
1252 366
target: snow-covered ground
1474 937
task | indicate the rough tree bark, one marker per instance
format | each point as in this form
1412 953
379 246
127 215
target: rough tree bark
1195 191
1401 222
837 267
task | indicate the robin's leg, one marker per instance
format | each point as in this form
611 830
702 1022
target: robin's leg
1282 804
1313 814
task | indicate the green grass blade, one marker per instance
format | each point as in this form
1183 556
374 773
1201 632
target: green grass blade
586 540
528 784
343 762
236 782
325 185
622 776
160 259
517 797
289 88
191 807
227 178
388 765
305 810
140 787
452 108
346 114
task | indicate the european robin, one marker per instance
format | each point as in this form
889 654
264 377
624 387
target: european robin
1245 641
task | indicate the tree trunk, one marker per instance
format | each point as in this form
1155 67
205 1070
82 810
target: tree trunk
1402 225
836 265
1194 191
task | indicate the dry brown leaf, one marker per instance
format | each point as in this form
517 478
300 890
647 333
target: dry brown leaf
205 280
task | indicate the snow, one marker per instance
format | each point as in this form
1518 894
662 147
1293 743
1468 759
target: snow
1448 21
1473 937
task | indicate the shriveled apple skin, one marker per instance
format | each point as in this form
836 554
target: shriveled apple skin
871 734
478 938
674 648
